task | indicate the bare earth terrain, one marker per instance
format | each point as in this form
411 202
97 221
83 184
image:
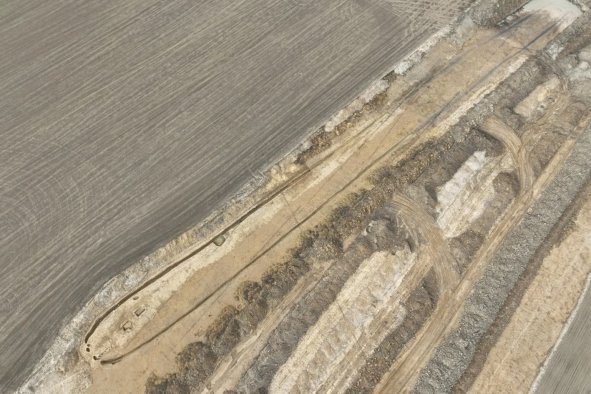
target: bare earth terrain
433 236
537 321
124 123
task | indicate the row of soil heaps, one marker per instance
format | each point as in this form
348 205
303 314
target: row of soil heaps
428 167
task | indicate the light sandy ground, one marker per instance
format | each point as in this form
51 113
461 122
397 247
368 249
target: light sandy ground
513 363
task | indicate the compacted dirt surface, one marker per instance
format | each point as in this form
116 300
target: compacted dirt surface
431 237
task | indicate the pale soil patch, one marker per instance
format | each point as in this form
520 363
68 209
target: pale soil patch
336 339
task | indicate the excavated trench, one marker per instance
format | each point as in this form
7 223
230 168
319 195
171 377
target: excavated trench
461 356
405 272
428 168
419 306
496 149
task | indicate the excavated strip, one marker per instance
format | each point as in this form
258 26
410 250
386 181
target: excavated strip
453 356
419 306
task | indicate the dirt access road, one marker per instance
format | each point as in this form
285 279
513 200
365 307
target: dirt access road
126 122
